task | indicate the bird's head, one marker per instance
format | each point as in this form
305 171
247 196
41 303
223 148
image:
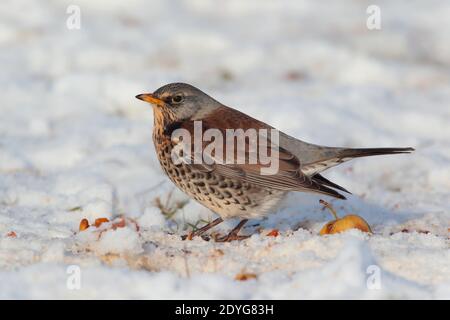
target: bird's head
180 101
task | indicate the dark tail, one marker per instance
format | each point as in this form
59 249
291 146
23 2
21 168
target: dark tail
366 152
323 181
341 156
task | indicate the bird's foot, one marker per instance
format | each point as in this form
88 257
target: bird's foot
233 235
200 232
191 235
230 237
188 236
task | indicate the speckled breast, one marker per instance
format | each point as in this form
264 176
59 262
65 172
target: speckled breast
227 197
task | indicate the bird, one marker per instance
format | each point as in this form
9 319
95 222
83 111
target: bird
233 189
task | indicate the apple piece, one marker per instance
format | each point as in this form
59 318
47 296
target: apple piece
98 222
351 221
84 224
273 233
244 276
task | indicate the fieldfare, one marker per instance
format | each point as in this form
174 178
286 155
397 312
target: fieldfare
224 179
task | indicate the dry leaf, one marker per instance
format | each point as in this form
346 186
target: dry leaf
245 276
99 221
217 252
11 234
84 224
120 224
273 233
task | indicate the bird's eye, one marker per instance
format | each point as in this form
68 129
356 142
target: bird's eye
177 99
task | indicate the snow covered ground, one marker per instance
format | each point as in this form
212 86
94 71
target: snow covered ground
75 143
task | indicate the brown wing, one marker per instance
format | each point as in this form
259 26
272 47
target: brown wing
288 177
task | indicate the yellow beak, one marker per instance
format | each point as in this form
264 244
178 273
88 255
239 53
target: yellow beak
150 98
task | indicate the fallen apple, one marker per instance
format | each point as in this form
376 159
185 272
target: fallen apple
351 221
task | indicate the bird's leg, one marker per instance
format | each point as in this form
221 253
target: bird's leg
202 230
233 235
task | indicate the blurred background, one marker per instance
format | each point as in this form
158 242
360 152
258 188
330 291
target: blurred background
75 143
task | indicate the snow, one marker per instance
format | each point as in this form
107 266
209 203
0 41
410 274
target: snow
75 143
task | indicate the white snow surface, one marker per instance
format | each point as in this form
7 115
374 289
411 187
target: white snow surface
75 143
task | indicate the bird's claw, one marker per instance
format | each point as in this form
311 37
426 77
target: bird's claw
230 237
191 235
